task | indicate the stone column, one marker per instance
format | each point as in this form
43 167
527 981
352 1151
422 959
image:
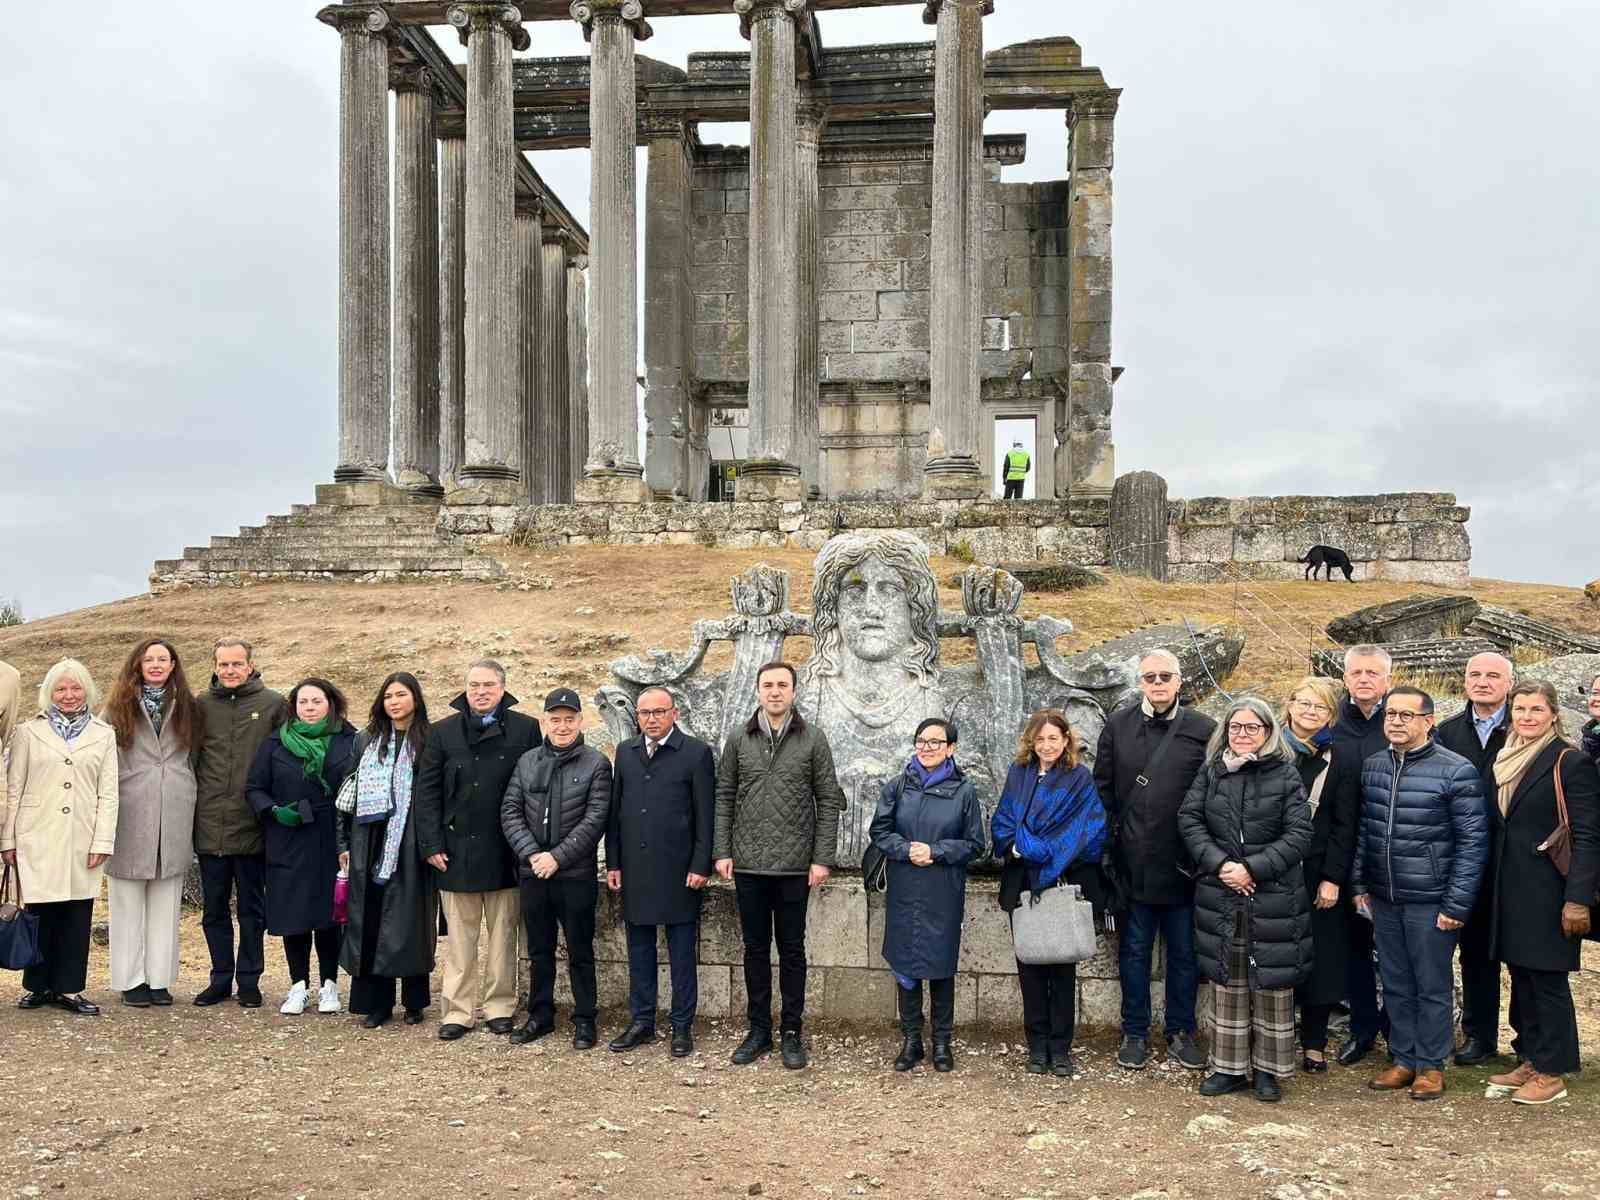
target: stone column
667 296
531 457
555 411
363 241
772 470
612 471
416 283
954 330
1091 457
452 302
493 428
578 362
810 119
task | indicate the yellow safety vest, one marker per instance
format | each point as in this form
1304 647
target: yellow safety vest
1017 463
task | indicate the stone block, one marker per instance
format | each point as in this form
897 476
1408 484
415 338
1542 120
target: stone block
1205 543
833 337
880 366
913 220
902 245
886 172
611 979
873 336
857 994
707 200
816 992
1394 542
918 275
713 308
1440 541
836 925
862 277
858 196
873 221
849 249
738 200
1256 544
996 545
999 1001
985 934
898 306
831 224
1444 574
1100 1005
857 306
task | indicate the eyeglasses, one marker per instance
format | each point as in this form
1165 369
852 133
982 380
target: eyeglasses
1403 718
1244 730
653 713
929 744
1159 676
1309 706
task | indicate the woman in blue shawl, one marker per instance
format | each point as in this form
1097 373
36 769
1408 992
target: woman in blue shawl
1049 827
928 826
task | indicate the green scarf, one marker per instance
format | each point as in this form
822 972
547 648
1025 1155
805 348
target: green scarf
309 743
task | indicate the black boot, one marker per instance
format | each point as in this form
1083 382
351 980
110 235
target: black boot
1038 1059
943 1058
910 1051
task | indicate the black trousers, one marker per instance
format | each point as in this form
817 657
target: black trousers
569 903
370 993
1049 1004
1314 1026
1367 1019
221 876
1013 490
773 907
1480 979
1545 1020
941 1002
63 946
297 953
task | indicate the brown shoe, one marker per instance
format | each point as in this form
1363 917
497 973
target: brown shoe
1392 1079
1541 1089
1429 1085
1501 1086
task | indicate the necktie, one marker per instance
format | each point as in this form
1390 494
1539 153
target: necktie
650 748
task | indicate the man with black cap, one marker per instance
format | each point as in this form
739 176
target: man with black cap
553 814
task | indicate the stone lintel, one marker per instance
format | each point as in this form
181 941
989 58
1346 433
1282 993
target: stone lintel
433 12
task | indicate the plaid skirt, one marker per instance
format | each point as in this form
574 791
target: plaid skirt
1253 1028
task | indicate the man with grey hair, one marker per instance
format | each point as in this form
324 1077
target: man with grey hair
1148 755
462 775
1477 733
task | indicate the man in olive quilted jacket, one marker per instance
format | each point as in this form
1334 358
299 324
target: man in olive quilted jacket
776 830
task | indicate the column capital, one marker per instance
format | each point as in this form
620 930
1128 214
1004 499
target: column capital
751 11
810 119
468 18
578 262
655 126
355 18
930 8
1101 104
629 12
529 206
410 77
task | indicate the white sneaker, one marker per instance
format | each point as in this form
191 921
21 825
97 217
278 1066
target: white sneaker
328 997
295 1004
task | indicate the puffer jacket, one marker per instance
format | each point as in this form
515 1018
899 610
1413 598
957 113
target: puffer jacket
1257 816
558 800
778 805
1423 837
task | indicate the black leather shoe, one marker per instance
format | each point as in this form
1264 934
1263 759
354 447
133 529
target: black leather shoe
634 1036
451 1032
1313 1066
1218 1084
1038 1061
160 997
910 1052
413 1016
682 1042
376 1020
76 1005
531 1033
214 993
756 1043
1267 1088
1133 1053
791 1050
137 997
1061 1065
1473 1052
501 1025
249 997
1355 1050
583 1035
944 1058
35 999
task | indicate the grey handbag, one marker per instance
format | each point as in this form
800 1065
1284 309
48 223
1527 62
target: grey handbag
1055 925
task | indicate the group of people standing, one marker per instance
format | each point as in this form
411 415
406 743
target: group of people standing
1271 852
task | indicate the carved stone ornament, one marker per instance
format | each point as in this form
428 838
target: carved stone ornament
756 10
1101 104
410 77
810 119
930 8
348 18
587 12
468 17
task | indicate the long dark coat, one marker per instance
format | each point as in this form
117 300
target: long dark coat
409 920
1459 734
924 906
301 862
660 826
1257 816
1529 891
1333 846
461 780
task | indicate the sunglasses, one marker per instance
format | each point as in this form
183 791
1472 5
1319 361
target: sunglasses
1159 676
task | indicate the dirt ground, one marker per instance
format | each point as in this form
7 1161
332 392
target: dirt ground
228 1103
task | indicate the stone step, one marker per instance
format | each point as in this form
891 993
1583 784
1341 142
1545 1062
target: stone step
324 537
356 518
346 563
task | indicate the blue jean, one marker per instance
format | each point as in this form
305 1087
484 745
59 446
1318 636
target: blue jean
1414 956
681 943
1175 923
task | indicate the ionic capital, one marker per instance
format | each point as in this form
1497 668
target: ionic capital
930 8
1101 105
469 18
410 77
752 11
355 18
628 12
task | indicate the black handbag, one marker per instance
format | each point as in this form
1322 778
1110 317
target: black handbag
19 928
875 869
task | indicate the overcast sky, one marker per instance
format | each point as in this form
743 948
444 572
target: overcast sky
1357 249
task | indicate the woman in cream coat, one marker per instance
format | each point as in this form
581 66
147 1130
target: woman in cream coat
58 827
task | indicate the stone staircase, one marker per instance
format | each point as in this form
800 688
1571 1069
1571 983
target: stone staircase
370 533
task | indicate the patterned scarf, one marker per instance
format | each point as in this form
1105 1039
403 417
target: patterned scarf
68 725
383 793
309 743
153 696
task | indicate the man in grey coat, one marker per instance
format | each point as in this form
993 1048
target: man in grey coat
777 829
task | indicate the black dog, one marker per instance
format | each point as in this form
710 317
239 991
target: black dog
1327 557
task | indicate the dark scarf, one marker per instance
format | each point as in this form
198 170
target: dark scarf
309 743
153 697
1320 741
923 779
1591 740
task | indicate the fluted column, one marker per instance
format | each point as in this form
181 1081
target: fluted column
810 120
363 241
668 308
613 471
493 426
772 470
416 283
452 308
954 423
1091 456
554 407
578 362
529 266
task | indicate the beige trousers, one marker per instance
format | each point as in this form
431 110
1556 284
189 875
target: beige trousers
144 932
465 911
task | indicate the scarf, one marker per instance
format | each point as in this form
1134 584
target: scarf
309 743
1053 821
923 778
1231 762
383 793
1513 762
1149 710
1316 748
153 698
1591 740
68 725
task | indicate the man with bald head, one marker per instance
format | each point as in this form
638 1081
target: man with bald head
658 855
1477 733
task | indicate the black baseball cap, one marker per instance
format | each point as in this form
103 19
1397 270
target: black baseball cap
563 698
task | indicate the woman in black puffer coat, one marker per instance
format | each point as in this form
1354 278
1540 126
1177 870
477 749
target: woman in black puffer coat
1247 827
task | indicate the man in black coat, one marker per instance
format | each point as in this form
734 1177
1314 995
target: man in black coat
1148 755
1477 733
461 780
658 855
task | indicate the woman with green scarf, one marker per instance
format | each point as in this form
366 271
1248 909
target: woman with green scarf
293 782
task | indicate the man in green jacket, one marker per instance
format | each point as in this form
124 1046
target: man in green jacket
776 830
1018 463
237 713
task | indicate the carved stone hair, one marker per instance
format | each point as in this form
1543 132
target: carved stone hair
908 557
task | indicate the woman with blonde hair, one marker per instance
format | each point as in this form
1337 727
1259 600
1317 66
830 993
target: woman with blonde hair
1333 793
1049 827
58 825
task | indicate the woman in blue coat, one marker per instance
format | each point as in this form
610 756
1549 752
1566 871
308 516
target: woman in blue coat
1049 828
929 826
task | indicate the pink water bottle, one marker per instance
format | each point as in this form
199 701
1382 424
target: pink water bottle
341 898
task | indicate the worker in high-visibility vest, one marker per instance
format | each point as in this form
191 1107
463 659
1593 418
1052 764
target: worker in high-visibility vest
1018 464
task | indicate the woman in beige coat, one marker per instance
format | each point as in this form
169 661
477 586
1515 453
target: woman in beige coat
154 716
58 827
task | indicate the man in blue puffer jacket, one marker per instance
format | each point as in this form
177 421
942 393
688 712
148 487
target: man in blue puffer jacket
1421 847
